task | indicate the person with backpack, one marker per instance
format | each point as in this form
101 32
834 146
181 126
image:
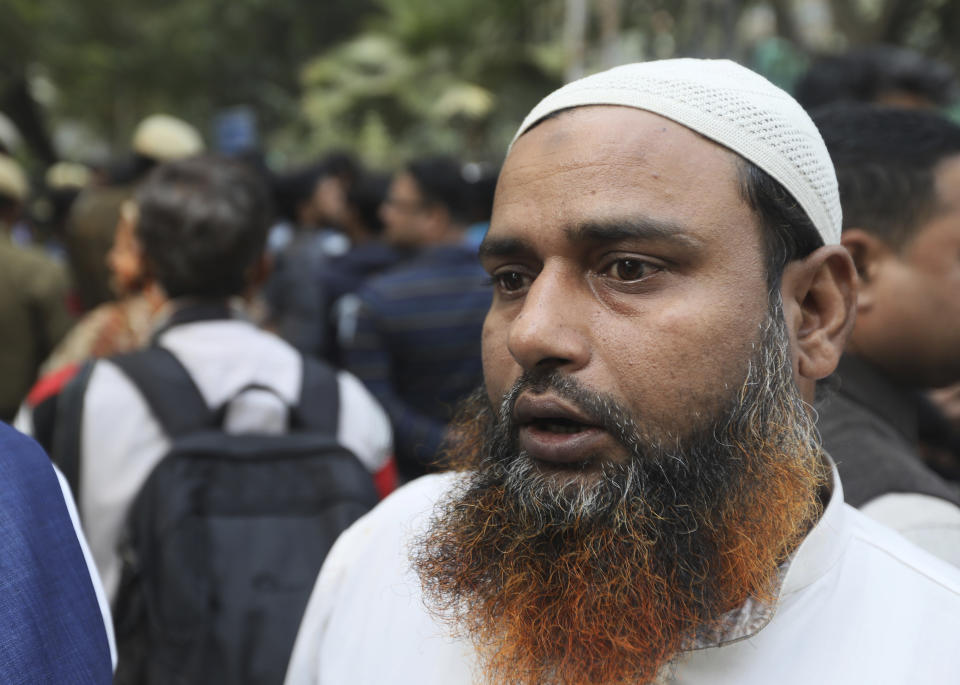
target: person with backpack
214 468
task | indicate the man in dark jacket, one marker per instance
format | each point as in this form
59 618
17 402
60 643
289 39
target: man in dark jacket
899 176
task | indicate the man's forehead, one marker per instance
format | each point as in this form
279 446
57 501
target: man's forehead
605 139
616 120
404 183
617 153
603 174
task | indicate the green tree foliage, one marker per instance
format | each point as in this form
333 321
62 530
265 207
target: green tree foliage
114 61
397 78
427 77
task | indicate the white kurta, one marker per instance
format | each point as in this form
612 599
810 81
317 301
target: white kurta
858 604
928 522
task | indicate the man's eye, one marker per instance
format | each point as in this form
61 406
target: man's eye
509 281
629 269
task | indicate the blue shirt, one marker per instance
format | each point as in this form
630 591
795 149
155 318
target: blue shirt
416 345
344 275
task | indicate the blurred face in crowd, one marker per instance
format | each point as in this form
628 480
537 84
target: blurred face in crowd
908 320
329 202
125 259
406 216
641 460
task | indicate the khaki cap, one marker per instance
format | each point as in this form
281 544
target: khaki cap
164 138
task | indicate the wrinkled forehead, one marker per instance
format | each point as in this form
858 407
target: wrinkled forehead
612 135
599 162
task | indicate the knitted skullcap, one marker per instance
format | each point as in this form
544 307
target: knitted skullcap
732 106
163 138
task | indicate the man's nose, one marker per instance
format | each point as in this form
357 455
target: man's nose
551 329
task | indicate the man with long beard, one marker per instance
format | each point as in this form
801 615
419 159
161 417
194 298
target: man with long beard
638 494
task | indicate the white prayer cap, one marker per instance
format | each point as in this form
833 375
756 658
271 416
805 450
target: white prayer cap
163 138
732 106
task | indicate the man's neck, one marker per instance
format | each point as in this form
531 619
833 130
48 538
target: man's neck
184 310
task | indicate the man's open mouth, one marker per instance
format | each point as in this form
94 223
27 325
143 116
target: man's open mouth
551 414
557 432
558 425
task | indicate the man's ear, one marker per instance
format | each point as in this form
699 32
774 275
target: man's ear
819 305
868 252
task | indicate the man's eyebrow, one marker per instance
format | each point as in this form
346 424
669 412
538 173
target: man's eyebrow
503 247
600 231
643 228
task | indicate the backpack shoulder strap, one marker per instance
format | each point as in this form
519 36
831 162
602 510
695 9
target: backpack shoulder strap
68 426
170 392
319 406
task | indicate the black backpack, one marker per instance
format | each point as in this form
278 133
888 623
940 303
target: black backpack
224 542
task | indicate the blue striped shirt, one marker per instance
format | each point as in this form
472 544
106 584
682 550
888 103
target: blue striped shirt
416 345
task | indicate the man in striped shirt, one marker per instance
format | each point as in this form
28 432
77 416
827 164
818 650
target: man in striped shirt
412 334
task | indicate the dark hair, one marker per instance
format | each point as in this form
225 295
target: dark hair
868 74
129 170
202 224
441 182
8 203
341 164
886 159
788 233
293 188
365 196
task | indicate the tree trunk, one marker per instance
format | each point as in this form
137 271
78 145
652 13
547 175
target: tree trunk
898 19
609 11
575 38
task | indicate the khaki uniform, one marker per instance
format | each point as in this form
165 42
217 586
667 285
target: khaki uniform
33 317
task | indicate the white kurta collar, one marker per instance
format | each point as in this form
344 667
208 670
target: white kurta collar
819 551
823 546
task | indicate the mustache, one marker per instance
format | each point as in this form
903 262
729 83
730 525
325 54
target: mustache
599 408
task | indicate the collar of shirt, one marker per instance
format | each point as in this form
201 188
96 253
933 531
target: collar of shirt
192 310
818 552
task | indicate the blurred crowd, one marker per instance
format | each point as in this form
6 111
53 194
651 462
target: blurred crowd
372 272
258 279
330 301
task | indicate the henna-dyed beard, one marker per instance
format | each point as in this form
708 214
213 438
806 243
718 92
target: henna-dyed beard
607 581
